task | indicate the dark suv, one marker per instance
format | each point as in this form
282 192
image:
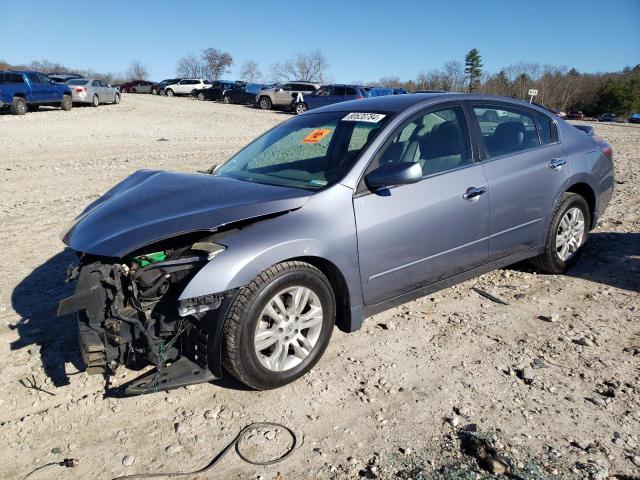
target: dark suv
216 90
327 95
243 94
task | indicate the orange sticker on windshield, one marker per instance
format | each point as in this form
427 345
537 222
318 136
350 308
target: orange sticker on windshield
316 135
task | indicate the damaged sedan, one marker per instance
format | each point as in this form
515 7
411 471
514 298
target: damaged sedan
330 217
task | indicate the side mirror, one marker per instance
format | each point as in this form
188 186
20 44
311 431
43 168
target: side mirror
394 173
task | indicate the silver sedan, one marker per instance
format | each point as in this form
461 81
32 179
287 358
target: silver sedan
92 91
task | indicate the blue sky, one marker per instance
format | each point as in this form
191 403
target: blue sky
361 40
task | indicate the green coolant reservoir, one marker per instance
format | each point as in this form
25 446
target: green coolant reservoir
144 260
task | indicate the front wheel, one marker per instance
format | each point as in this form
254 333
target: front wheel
279 325
566 236
67 103
95 101
169 92
201 96
301 107
226 100
265 103
116 100
154 91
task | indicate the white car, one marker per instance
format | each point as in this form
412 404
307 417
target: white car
186 86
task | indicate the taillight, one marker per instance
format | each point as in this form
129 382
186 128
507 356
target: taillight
359 97
603 146
80 89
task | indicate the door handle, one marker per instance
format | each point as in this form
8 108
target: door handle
473 192
556 163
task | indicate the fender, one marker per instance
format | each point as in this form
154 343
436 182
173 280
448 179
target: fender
310 231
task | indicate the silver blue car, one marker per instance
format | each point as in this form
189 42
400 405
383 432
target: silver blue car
330 217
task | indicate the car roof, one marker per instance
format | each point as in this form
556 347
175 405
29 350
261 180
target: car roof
398 103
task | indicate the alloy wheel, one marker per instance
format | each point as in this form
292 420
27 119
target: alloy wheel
288 328
570 234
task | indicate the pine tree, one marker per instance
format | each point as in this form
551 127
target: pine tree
473 68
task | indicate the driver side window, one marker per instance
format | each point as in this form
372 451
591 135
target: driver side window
438 141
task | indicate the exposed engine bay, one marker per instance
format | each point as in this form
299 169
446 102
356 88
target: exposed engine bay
129 313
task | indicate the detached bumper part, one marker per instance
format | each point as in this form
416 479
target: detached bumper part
180 373
92 350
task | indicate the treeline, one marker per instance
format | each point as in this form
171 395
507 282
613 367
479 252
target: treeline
558 87
562 88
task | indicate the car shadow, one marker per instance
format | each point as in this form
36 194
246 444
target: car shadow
43 108
36 299
610 258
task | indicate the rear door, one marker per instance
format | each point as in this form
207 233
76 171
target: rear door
413 235
526 169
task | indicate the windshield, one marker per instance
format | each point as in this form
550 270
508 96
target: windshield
310 151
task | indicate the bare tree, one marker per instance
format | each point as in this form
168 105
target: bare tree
250 71
137 70
453 76
307 67
216 63
390 82
189 66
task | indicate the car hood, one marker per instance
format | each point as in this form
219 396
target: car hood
152 205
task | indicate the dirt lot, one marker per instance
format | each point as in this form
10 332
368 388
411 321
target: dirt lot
390 401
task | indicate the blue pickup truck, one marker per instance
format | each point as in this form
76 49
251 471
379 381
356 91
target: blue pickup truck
24 91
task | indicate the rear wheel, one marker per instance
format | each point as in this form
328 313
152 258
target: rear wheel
279 325
95 101
67 103
226 100
200 96
18 106
116 100
568 232
301 107
265 103
154 91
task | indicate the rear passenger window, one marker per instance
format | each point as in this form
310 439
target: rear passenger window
95 83
438 141
546 129
339 91
349 91
506 130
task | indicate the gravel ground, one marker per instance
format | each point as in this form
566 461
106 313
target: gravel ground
551 381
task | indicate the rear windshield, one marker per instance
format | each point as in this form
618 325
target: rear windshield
77 82
310 151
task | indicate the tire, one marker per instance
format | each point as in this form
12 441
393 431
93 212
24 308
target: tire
132 90
19 106
226 100
265 103
301 107
116 100
551 260
67 103
95 101
246 316
200 96
154 91
169 92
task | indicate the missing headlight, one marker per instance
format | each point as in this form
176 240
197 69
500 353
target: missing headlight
204 303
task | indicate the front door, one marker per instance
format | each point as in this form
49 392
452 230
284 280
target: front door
413 235
526 169
282 95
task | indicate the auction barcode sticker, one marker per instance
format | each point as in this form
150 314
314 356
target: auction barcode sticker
364 117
